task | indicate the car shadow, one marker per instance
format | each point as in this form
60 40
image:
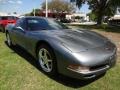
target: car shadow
67 81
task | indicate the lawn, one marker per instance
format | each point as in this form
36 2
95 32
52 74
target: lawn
19 71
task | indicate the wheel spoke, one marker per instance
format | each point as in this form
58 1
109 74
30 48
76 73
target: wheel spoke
49 60
45 54
45 60
48 67
42 62
40 55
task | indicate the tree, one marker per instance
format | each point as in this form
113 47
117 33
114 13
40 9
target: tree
14 12
77 17
92 16
59 6
37 12
100 8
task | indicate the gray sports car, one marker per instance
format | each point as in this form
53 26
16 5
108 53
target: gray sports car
81 54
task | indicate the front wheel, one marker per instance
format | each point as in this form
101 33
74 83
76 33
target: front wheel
47 60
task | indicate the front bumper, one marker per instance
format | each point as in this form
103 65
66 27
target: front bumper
88 75
94 71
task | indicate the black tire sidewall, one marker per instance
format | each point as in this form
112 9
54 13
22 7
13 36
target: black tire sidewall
3 29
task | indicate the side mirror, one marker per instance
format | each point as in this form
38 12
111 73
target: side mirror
19 28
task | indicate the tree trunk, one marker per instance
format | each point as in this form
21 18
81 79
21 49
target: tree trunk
99 19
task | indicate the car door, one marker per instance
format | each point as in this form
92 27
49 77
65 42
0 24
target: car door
13 32
20 32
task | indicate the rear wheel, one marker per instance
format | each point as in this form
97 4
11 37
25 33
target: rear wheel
9 42
47 59
2 28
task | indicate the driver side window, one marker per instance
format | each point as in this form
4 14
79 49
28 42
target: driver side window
18 23
21 23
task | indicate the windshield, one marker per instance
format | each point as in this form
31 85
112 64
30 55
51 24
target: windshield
8 18
44 24
4 18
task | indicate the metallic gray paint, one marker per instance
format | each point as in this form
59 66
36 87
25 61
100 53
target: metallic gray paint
82 47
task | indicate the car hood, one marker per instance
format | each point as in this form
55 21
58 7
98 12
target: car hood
78 40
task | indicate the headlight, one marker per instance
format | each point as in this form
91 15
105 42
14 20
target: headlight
78 68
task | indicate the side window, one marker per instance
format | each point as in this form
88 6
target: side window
43 23
4 18
21 23
18 23
36 24
10 18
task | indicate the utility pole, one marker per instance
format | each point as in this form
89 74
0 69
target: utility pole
46 8
34 11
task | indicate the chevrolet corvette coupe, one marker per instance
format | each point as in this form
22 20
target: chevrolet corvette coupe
80 54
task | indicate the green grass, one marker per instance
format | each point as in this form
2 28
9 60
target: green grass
18 71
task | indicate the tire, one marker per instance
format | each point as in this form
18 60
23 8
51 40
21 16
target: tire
2 29
47 60
8 39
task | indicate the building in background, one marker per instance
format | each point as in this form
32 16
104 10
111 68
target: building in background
77 17
115 20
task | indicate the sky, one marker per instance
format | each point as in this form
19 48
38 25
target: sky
26 6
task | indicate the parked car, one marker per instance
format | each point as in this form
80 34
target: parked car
5 20
81 54
114 22
64 20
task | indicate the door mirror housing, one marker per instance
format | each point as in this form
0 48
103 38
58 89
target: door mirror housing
19 28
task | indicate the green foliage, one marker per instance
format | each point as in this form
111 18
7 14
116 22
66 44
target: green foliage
92 16
77 17
101 7
37 12
59 6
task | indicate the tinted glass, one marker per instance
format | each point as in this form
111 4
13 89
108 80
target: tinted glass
4 18
10 18
44 24
18 23
21 23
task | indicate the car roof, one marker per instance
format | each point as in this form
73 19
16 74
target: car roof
28 17
31 17
8 16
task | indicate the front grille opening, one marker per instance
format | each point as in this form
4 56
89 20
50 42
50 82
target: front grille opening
97 67
89 75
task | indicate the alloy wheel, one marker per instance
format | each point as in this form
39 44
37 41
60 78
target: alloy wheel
45 60
8 39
